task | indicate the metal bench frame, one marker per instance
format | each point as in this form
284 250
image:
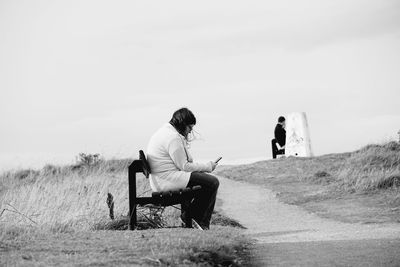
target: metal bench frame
164 199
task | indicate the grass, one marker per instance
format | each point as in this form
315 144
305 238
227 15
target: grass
361 186
372 167
59 216
39 247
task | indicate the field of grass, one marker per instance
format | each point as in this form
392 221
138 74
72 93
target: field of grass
361 186
39 247
59 216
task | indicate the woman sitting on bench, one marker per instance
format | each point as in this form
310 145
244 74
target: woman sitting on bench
172 168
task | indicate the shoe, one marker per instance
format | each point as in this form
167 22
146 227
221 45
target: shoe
186 223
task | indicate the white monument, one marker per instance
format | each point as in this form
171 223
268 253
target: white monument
298 142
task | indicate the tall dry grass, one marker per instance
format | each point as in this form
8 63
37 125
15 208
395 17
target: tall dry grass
66 197
372 167
48 217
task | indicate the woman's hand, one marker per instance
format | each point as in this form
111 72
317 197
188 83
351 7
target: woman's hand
213 165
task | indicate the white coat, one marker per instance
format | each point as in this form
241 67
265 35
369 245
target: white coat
170 161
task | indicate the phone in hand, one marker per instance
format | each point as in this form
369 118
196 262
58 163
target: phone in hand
218 159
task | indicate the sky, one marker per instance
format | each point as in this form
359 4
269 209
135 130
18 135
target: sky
102 76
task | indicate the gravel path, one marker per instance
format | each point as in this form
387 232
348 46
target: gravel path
271 221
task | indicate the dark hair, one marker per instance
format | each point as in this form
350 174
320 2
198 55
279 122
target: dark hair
281 119
181 118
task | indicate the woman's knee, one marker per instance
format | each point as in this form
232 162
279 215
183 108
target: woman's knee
216 183
205 179
212 181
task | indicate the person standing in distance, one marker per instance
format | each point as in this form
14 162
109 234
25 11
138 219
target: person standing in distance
173 168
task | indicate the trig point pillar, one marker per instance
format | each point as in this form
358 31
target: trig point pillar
298 142
399 135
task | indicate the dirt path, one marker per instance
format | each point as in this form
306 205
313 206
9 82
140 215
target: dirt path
272 222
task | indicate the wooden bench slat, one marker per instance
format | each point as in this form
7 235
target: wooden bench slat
187 190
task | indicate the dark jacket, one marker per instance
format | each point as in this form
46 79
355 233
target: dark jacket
280 134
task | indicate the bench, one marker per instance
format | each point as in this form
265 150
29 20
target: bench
162 199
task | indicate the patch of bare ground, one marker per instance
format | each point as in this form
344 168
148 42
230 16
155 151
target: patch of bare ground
328 253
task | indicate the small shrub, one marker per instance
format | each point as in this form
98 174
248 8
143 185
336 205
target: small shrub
76 168
50 170
23 174
391 181
321 174
322 177
392 146
88 160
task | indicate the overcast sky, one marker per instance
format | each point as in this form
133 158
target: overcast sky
102 76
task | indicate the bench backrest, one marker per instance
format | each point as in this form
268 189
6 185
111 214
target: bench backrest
145 164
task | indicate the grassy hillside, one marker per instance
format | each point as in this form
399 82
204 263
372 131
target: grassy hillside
75 195
361 186
57 216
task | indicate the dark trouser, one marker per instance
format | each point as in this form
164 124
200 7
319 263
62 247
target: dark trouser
275 150
202 206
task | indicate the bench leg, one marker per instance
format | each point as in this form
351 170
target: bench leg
132 196
132 218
